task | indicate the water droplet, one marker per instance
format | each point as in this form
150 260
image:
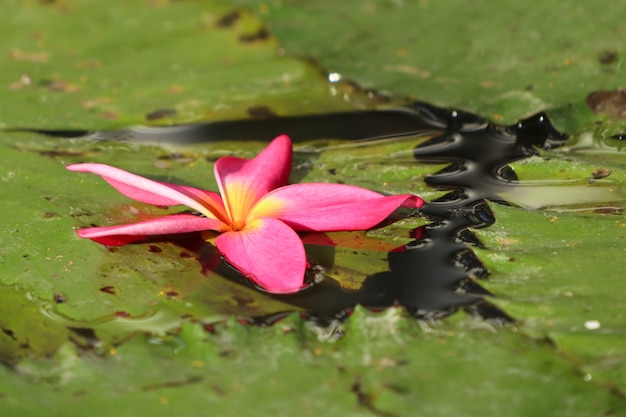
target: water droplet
334 77
592 325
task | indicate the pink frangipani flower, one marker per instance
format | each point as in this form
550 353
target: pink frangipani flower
256 213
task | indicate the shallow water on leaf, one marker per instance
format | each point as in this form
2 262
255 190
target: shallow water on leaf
424 262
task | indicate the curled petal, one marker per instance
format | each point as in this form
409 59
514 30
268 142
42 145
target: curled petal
127 233
211 201
242 182
157 193
268 252
330 207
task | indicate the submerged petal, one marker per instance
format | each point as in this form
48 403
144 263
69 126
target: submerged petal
158 193
330 207
353 240
268 252
242 182
127 233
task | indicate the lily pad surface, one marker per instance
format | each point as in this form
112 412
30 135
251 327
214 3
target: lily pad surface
71 65
165 327
503 61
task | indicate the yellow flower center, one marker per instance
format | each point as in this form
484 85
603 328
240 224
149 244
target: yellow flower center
237 225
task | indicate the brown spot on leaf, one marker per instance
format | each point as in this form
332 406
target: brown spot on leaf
219 390
17 55
154 249
227 353
611 102
61 86
177 157
57 153
363 398
260 35
9 333
228 19
109 289
110 115
160 114
49 214
607 57
601 172
59 298
609 210
261 112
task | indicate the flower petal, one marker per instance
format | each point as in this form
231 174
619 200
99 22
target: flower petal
242 182
158 193
330 207
268 252
127 233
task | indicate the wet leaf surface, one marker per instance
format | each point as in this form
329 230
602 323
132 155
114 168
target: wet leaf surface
82 324
503 62
234 367
559 274
75 65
